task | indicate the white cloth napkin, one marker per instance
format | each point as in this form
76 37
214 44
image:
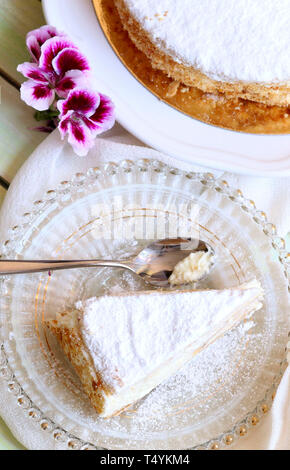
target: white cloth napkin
52 162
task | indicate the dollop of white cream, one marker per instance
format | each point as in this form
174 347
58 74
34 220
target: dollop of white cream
192 268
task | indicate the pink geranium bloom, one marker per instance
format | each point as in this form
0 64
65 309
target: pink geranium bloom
36 38
84 115
62 67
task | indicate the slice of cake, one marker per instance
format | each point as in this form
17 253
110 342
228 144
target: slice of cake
123 346
237 47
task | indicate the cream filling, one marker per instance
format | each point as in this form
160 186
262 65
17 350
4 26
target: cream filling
192 268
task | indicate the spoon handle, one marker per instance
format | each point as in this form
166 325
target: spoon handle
22 266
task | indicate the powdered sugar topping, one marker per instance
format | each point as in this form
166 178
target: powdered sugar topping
231 40
129 336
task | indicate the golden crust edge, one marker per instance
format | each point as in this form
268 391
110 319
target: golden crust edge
72 345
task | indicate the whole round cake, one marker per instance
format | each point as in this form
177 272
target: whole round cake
237 47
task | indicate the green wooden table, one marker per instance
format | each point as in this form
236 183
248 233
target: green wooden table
17 140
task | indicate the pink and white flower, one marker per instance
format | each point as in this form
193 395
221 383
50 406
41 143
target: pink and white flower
83 116
61 68
56 86
36 38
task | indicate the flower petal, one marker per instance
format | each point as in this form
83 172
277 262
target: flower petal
80 100
104 117
32 71
37 95
60 106
37 37
80 138
51 48
72 79
70 59
64 127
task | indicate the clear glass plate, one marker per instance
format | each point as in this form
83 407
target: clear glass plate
111 212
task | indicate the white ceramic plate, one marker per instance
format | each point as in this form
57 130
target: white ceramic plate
156 123
108 212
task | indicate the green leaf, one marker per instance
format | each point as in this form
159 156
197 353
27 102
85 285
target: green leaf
46 115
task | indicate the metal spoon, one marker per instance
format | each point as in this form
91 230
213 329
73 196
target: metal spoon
155 263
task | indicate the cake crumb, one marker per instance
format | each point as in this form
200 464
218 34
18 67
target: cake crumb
172 89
